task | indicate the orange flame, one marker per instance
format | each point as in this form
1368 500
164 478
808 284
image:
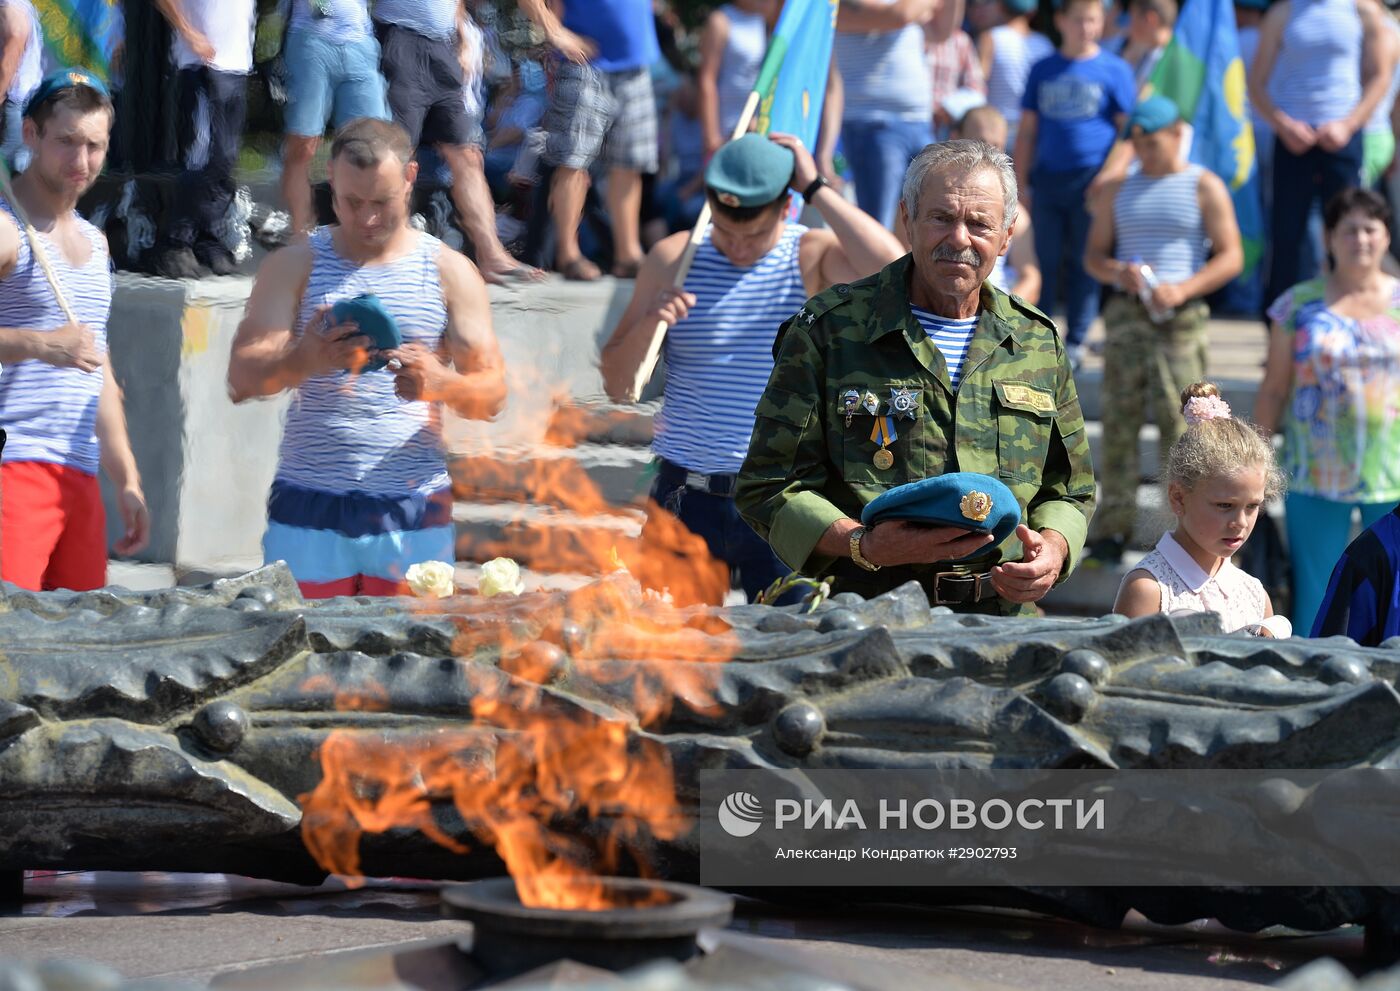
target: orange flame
565 794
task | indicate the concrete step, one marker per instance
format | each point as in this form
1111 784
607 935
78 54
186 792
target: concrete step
586 478
543 538
577 422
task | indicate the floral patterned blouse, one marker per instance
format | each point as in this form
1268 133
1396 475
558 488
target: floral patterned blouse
1341 429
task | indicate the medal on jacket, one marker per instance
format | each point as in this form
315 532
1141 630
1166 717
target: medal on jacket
850 402
884 435
905 402
871 403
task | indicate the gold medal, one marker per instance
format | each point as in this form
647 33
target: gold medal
883 459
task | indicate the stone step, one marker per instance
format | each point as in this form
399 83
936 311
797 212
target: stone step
628 424
543 538
587 478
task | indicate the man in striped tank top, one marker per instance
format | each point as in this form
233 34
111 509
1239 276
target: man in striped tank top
1163 217
59 403
751 272
361 491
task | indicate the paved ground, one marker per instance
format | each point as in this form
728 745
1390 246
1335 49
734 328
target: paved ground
240 933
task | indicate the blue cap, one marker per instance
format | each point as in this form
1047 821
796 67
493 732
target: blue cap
1021 6
1153 114
749 171
979 503
65 79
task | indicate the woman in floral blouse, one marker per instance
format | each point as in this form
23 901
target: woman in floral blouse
1332 387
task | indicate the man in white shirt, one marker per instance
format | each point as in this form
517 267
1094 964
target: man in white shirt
213 48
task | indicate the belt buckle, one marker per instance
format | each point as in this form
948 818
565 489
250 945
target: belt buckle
976 580
695 480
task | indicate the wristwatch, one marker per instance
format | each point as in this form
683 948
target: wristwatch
815 185
856 555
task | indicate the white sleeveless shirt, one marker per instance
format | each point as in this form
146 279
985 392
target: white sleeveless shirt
1239 598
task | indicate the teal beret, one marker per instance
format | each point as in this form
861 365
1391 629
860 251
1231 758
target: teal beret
1022 6
1153 114
979 503
374 321
1253 4
749 171
64 79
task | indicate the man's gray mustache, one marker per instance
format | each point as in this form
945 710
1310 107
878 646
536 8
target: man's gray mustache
968 256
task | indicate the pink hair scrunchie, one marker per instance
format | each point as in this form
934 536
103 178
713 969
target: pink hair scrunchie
1199 409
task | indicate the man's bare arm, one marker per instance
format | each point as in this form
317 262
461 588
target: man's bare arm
475 386
262 361
625 350
180 23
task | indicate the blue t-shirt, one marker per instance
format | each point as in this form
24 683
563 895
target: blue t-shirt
1077 100
623 30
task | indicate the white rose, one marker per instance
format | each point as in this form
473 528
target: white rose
501 576
431 579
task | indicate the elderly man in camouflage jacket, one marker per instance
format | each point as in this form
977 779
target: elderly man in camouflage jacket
923 369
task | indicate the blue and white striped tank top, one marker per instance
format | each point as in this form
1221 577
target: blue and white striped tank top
1013 54
1317 76
351 433
50 414
430 18
743 56
719 358
1158 219
885 75
951 337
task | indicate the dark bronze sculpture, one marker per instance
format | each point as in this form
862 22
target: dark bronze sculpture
187 729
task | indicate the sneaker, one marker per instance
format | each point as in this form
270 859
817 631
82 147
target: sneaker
1105 552
178 263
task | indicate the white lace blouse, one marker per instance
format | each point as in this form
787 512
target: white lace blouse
1238 598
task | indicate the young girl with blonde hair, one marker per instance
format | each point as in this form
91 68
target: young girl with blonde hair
1219 475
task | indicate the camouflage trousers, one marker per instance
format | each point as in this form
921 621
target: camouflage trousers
1143 364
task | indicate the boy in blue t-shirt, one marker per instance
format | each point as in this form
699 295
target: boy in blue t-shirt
1072 113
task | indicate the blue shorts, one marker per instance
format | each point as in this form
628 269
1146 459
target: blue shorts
353 543
325 75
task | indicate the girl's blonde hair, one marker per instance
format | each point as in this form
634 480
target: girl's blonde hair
1221 445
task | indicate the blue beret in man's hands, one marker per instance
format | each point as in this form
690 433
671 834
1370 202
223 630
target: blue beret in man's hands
966 499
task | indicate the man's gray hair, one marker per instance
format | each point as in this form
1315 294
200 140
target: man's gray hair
964 156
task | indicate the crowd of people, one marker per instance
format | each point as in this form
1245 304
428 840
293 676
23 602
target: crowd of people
971 179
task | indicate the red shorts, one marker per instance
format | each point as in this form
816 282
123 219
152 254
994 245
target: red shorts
53 531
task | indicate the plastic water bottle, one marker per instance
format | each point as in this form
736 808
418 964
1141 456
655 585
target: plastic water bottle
1150 283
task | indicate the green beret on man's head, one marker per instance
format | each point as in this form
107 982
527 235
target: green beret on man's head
749 171
1153 114
979 503
65 79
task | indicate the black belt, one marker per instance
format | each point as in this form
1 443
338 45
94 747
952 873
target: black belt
716 485
956 588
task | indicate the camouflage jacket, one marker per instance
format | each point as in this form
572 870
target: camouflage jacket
1014 415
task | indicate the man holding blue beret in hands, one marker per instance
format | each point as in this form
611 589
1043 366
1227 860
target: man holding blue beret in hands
919 372
362 491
